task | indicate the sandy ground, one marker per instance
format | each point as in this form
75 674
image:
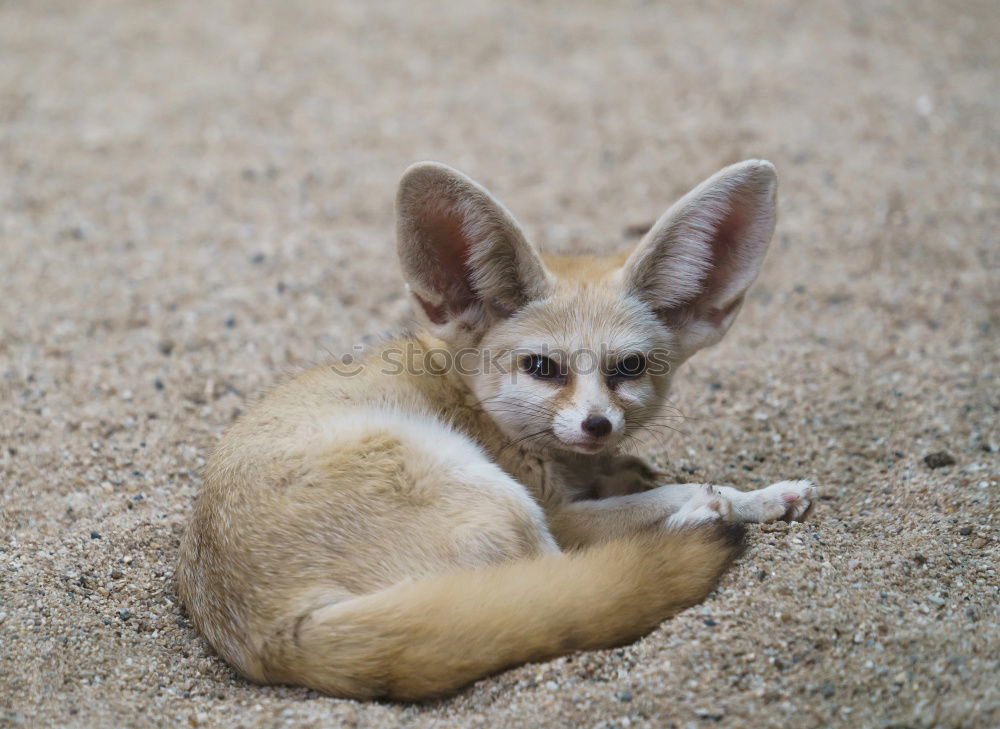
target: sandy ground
196 200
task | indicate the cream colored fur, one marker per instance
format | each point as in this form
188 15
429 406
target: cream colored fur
402 533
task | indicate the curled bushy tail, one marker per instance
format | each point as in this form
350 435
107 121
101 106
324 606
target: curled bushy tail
429 637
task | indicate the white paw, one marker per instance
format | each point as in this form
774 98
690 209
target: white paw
707 504
785 500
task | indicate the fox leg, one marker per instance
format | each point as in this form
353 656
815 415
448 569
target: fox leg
590 521
578 523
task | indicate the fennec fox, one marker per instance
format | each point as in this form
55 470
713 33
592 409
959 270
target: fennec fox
404 529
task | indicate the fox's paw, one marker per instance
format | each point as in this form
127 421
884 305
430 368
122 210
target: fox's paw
782 501
708 504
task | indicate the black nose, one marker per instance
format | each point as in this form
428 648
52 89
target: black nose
596 425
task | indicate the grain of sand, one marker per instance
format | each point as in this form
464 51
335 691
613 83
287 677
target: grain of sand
196 201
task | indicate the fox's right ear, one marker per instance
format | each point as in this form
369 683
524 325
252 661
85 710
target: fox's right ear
463 255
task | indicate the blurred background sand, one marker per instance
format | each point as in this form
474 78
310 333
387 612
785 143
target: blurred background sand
196 201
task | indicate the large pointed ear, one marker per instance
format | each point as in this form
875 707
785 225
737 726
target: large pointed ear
463 254
695 265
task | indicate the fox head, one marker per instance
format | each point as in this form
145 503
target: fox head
577 352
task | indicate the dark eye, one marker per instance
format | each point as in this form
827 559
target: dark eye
542 368
629 367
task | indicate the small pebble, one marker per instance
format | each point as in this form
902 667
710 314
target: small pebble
707 715
124 613
965 531
939 459
95 535
710 622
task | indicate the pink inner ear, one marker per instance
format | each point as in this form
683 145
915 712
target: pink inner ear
730 251
448 275
727 251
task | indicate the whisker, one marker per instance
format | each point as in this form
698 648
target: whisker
522 439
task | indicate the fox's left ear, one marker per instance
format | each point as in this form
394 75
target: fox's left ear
695 265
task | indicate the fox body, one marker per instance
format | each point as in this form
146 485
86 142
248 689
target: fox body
400 534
